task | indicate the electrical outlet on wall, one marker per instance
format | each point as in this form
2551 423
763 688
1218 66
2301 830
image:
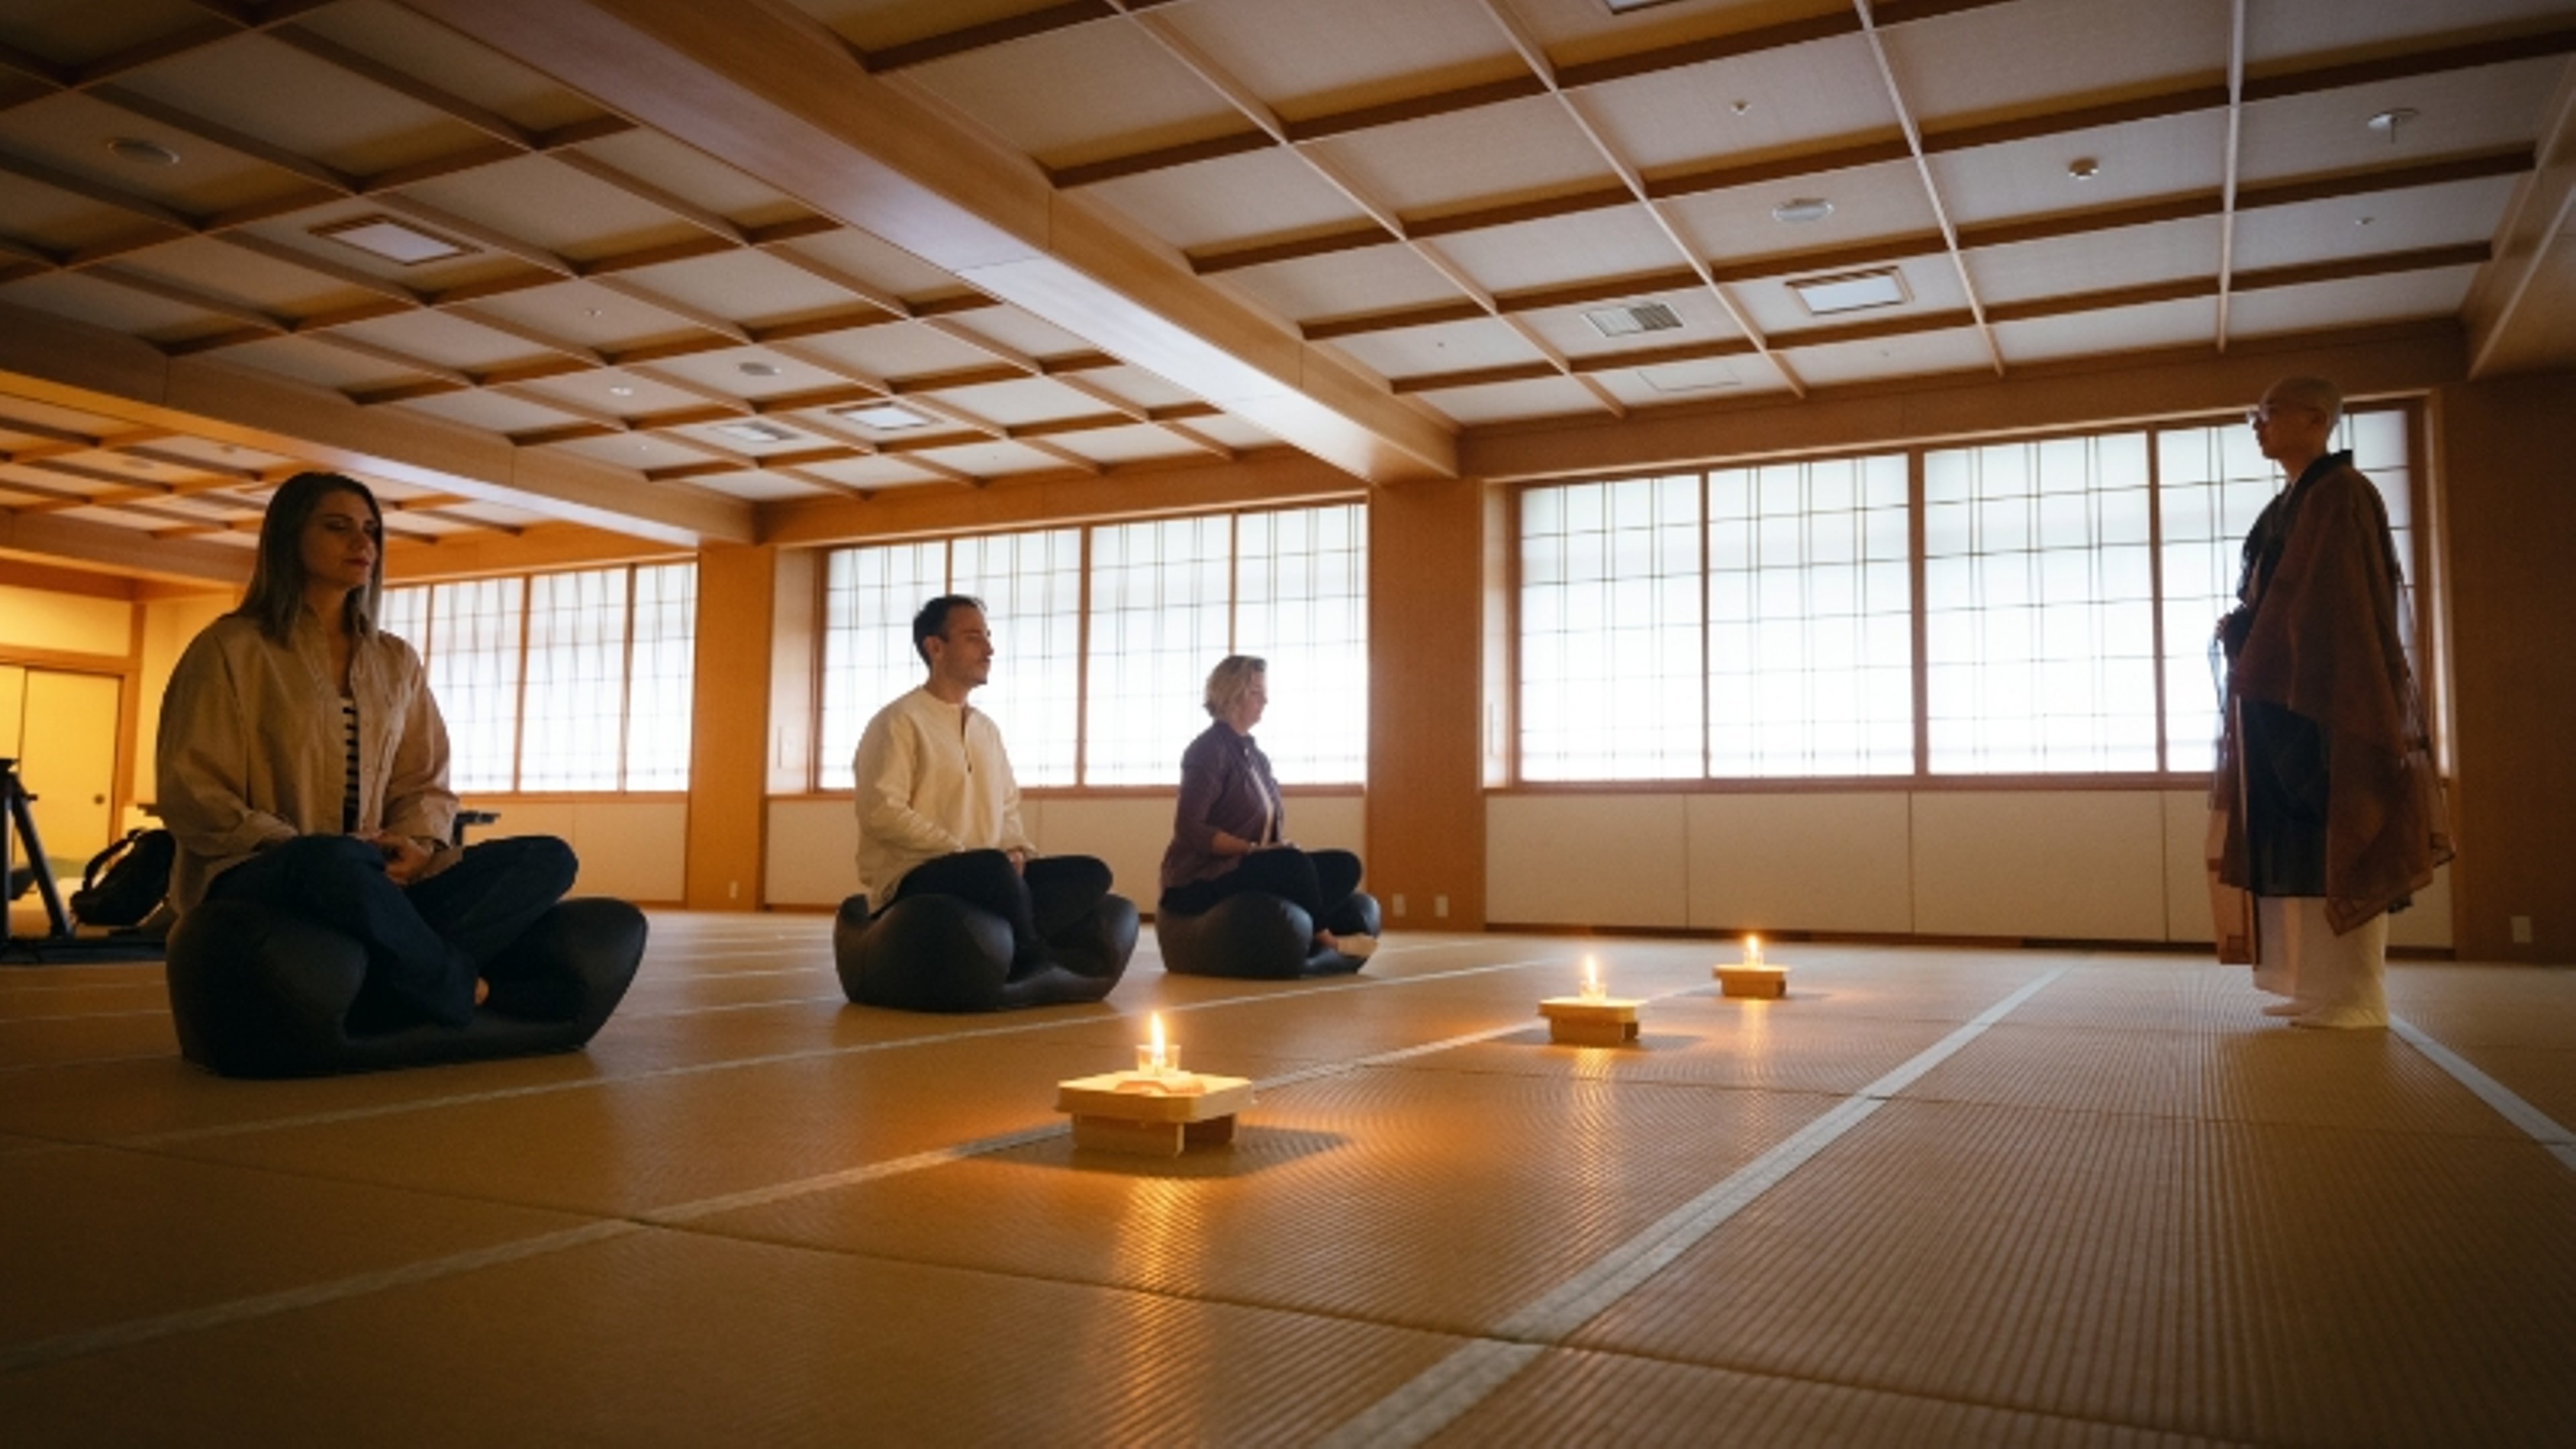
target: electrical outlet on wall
1440 907
1399 903
2521 930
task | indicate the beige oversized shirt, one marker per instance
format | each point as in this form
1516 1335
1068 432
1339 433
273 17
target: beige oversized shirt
933 780
251 751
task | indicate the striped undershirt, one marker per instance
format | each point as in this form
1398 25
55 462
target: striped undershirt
349 734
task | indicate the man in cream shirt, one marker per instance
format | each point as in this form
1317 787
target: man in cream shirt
939 813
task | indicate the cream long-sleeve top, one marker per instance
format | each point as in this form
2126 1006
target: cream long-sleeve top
251 750
933 780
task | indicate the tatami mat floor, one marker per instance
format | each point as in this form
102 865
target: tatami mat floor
1936 1196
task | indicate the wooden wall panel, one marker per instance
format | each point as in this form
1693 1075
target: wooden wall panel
1799 862
1128 832
814 852
2509 508
2054 864
814 840
634 850
2187 915
1581 860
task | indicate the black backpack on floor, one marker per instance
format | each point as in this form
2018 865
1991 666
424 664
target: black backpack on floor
122 883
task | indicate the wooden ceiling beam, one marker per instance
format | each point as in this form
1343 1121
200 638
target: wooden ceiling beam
1850 152
2506 162
773 93
160 47
188 123
2386 264
942 45
643 190
455 107
126 550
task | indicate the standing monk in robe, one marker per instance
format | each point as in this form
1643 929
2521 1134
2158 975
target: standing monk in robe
2329 811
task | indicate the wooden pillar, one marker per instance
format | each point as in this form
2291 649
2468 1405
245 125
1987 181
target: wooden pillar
729 727
1426 803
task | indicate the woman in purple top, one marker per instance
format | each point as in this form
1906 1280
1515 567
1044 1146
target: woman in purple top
1226 831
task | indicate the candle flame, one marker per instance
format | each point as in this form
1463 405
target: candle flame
1591 976
1159 1051
1753 950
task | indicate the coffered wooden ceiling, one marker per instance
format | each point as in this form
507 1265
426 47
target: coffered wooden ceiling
708 262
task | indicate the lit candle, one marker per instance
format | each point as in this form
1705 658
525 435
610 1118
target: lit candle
1753 950
1592 990
1158 1057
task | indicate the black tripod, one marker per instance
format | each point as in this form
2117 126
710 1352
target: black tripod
61 943
22 828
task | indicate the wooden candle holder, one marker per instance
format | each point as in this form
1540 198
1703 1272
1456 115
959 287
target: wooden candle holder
1590 1021
1757 983
1148 1116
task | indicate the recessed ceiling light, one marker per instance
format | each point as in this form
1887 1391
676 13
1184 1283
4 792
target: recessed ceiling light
760 369
2387 122
395 241
1739 107
621 392
1851 291
148 153
1630 320
2084 168
2363 220
885 417
757 432
1622 7
1804 209
1703 376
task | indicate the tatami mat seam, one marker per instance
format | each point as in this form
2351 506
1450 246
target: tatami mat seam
674 1217
1917 1395
76 1062
86 1015
2538 1125
311 1295
390 1109
680 1213
1439 1395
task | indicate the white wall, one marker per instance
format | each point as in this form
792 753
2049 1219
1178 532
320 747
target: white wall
2109 865
814 840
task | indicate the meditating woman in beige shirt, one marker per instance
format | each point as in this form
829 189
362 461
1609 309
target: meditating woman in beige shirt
303 764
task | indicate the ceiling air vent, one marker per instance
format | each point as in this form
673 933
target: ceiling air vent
1629 321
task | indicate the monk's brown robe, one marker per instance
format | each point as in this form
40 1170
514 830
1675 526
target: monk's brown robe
2325 782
